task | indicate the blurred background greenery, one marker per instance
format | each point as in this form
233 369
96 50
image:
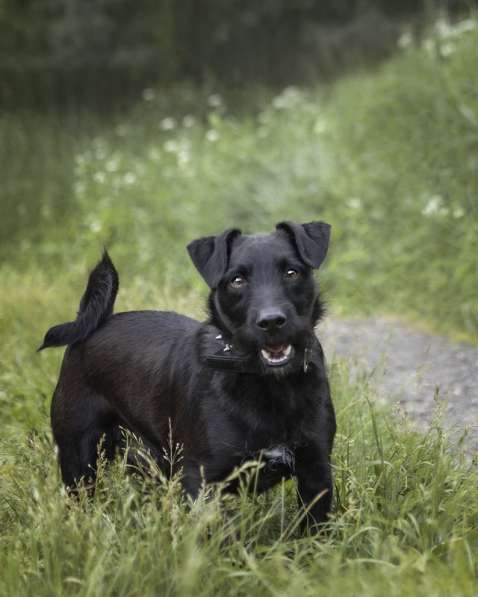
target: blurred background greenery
141 125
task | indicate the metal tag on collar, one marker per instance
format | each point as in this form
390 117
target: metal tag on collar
306 360
228 361
225 358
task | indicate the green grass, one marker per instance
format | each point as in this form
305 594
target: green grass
405 519
387 157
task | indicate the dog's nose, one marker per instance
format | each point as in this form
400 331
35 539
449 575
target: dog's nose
271 319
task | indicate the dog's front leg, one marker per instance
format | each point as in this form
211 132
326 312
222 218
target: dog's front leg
192 479
314 484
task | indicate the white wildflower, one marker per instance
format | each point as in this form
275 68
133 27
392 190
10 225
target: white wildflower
112 165
95 226
287 99
81 159
447 49
447 30
167 124
429 46
405 40
189 121
435 207
443 28
465 26
184 157
171 146
215 100
320 126
354 203
148 95
99 177
129 178
212 135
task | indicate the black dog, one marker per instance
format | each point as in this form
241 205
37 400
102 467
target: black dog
248 383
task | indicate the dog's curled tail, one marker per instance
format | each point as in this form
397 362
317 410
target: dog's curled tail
96 306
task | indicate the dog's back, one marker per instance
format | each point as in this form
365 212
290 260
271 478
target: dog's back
136 352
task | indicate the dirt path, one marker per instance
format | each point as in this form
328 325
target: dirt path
410 367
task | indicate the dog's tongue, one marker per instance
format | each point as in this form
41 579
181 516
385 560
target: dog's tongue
276 350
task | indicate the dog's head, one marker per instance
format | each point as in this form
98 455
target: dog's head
263 294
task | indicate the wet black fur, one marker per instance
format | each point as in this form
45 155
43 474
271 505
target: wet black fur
144 371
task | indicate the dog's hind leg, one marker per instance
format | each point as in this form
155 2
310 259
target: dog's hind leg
82 423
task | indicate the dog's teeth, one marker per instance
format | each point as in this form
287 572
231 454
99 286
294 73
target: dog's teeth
274 360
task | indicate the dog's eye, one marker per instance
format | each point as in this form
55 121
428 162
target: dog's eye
292 274
237 282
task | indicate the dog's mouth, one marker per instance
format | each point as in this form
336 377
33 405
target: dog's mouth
276 355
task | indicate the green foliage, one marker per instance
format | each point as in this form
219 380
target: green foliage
388 158
405 143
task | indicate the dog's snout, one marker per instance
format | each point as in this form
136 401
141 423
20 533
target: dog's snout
271 319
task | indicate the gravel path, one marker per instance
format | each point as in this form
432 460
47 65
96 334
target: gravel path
410 367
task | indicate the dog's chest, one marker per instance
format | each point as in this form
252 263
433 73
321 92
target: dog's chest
266 465
256 420
252 435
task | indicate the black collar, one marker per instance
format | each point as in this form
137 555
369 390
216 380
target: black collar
226 358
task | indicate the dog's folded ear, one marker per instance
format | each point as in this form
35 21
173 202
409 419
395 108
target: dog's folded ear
210 255
311 240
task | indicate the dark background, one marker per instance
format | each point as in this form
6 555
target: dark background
63 52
